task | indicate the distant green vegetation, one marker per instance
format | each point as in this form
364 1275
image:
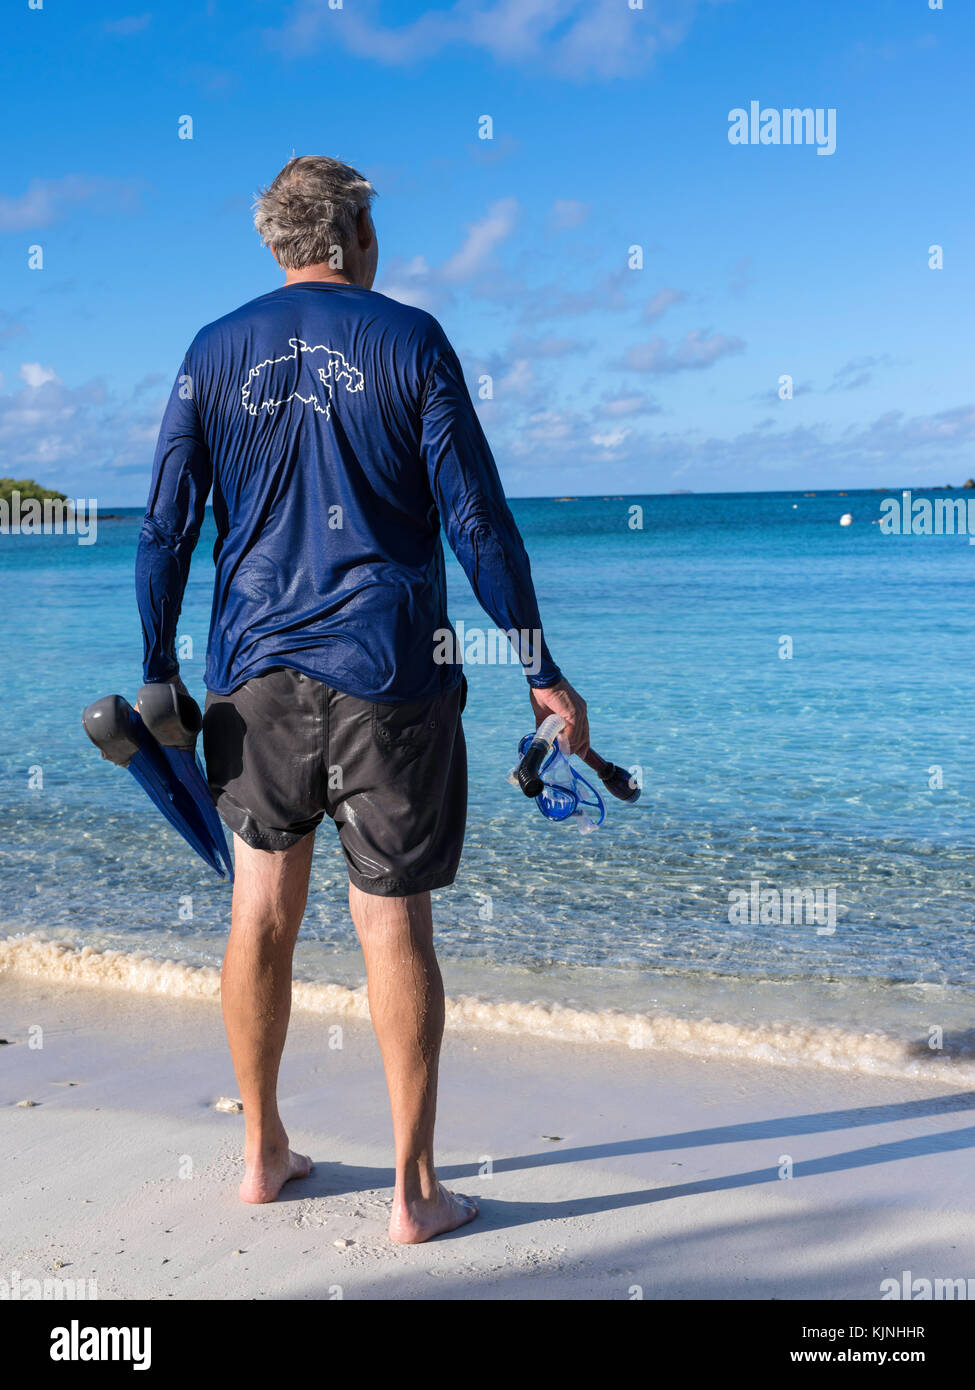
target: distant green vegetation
28 488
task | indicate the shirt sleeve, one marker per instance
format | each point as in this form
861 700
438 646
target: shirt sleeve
181 476
476 517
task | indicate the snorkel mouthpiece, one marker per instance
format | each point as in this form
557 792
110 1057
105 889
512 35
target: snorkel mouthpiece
618 782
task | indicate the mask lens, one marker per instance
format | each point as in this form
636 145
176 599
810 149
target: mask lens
557 803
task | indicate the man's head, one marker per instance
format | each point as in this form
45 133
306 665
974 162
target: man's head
315 218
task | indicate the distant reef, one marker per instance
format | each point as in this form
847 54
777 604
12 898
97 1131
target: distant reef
28 489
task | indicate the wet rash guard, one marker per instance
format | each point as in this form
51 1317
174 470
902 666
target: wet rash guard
336 433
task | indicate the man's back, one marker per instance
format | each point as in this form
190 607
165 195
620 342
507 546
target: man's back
309 398
335 428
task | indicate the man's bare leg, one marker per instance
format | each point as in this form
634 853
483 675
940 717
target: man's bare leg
270 892
406 1002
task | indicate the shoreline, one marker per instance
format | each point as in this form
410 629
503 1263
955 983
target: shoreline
601 1172
782 1045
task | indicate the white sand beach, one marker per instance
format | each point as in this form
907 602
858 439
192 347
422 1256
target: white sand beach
602 1172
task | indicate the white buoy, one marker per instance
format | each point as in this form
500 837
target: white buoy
846 519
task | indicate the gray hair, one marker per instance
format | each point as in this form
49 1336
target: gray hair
310 209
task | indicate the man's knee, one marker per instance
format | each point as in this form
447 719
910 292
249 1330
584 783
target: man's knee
271 887
384 919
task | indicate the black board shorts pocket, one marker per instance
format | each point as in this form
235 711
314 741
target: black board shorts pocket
410 725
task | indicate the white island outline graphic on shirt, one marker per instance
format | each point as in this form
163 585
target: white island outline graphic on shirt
267 388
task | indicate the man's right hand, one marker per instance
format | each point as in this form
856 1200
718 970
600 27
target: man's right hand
562 699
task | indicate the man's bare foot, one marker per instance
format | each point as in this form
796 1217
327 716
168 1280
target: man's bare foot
267 1174
426 1217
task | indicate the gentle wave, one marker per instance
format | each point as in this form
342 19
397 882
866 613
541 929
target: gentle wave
777 1044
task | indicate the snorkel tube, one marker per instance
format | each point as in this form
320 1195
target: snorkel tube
542 743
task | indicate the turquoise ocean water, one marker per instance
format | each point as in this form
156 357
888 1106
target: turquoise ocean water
847 767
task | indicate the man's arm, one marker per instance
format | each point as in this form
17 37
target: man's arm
181 478
484 537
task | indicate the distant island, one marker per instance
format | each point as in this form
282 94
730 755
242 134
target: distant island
28 489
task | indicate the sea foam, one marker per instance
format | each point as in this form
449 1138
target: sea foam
781 1044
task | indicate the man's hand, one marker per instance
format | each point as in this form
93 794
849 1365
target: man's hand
562 699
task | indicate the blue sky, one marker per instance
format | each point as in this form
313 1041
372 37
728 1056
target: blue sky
610 129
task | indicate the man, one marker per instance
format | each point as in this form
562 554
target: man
337 434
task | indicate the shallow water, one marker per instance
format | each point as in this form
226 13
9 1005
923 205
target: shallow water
813 772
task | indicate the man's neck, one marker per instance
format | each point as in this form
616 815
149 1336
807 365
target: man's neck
317 272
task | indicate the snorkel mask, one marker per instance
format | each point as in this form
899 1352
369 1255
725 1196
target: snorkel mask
545 773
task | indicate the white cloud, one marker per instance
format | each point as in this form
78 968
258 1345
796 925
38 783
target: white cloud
611 439
518 381
46 200
57 432
567 212
415 281
546 428
421 292
892 449
858 372
35 375
481 239
662 301
695 351
576 38
635 403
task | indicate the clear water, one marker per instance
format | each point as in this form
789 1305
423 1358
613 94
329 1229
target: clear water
812 772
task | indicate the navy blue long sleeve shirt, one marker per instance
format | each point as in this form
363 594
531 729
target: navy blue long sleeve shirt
336 432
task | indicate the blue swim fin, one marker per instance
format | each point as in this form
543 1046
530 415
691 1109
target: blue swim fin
121 737
174 720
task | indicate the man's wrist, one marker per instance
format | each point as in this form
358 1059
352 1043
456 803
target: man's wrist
154 675
546 681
